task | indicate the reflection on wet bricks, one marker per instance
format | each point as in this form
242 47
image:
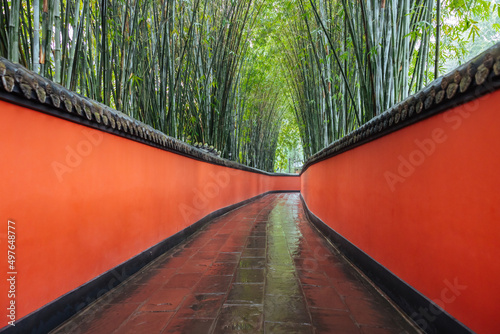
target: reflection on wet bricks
262 268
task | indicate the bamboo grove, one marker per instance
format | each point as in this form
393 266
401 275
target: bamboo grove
230 73
353 60
349 61
174 64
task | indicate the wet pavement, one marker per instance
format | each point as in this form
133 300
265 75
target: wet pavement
262 268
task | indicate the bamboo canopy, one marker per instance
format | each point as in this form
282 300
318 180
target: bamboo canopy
244 76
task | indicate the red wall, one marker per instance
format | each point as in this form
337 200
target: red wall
85 201
425 203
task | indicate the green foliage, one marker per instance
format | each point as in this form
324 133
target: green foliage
468 28
263 101
174 64
289 149
265 81
348 61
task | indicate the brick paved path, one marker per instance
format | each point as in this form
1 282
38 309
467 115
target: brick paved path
262 268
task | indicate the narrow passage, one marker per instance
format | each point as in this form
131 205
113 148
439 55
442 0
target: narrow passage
262 268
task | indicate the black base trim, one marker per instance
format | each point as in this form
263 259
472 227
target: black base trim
425 313
58 311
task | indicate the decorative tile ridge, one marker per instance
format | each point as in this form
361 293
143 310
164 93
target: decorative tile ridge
477 77
24 87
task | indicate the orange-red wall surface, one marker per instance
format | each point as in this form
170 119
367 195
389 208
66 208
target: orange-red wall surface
84 201
425 203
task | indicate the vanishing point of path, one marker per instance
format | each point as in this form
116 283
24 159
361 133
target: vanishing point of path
262 268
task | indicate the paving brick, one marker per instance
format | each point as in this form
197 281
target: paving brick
228 257
201 306
189 326
317 278
307 263
156 277
206 255
289 308
231 248
184 251
183 280
132 294
256 242
350 289
145 322
324 297
198 267
240 319
288 328
213 245
99 319
246 294
165 299
222 268
213 284
331 321
339 273
254 252
176 262
282 285
249 276
252 263
370 313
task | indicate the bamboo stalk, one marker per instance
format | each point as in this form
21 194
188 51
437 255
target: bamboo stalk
57 41
36 37
14 31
